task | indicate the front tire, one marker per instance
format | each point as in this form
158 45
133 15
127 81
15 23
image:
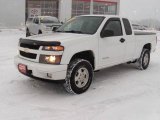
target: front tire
144 60
79 76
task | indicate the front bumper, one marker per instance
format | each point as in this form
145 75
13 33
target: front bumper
43 71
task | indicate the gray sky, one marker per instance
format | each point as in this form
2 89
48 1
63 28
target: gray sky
12 11
140 9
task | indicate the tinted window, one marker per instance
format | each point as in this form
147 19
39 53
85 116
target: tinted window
127 26
115 27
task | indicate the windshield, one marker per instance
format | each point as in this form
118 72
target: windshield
29 19
82 25
49 20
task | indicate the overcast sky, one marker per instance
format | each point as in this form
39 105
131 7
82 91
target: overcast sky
140 9
12 11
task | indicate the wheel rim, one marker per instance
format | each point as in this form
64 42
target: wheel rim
146 60
81 77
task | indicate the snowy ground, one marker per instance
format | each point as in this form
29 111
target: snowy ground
118 93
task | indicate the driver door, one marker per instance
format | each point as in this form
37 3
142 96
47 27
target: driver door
112 43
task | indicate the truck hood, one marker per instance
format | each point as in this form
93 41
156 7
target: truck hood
52 24
61 37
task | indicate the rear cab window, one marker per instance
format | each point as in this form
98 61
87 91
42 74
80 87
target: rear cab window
127 26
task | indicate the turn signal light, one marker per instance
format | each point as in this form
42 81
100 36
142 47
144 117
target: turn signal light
53 48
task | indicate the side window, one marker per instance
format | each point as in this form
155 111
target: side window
114 27
127 26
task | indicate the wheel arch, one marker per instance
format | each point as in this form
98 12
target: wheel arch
40 31
148 46
87 55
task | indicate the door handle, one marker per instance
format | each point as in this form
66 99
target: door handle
122 40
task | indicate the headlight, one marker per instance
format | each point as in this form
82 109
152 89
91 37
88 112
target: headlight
53 48
50 59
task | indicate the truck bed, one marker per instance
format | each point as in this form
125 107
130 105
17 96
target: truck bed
143 37
140 32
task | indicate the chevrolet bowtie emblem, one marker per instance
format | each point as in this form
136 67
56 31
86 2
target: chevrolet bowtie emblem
34 44
26 50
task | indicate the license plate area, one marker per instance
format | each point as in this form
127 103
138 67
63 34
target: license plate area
22 68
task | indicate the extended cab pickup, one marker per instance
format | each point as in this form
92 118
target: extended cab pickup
81 46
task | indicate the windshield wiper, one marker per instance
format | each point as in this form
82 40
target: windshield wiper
71 31
58 31
74 31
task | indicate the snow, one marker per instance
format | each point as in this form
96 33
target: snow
118 93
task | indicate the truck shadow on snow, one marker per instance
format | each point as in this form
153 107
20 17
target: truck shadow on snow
115 72
107 75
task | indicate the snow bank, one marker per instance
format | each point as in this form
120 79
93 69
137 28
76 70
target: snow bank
118 93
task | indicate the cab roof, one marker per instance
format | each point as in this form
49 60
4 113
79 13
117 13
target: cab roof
106 16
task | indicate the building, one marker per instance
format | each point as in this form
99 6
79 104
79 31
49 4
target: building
65 9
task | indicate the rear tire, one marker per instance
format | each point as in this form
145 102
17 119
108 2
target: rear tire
144 60
28 33
79 76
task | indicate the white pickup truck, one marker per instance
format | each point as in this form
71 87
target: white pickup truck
81 46
41 25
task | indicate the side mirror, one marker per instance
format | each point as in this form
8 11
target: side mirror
107 33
